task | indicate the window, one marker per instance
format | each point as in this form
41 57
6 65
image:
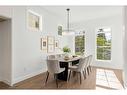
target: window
103 41
79 44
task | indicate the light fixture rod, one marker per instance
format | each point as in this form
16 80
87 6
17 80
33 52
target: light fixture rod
68 19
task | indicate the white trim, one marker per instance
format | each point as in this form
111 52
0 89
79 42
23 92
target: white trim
96 32
6 81
19 79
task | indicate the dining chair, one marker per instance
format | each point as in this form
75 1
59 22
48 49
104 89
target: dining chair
81 68
51 57
53 68
89 68
58 55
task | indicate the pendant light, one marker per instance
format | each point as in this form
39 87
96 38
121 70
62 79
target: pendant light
68 31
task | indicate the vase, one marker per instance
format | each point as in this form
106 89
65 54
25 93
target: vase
66 56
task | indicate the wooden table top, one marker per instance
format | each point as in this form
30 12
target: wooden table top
61 59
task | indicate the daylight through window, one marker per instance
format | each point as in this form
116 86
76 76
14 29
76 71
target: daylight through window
103 41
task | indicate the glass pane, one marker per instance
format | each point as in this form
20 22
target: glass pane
107 53
104 39
104 44
79 44
108 39
104 53
101 39
100 53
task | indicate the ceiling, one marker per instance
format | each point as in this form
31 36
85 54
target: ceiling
79 13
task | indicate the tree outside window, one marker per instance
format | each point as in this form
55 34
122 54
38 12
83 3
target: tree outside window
103 44
79 44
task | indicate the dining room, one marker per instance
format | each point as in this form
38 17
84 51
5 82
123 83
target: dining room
65 47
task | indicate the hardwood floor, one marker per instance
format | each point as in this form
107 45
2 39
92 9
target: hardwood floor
3 85
90 83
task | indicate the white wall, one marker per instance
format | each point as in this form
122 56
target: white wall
5 51
125 47
116 24
28 59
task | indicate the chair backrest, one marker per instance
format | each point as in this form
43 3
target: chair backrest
58 55
53 66
90 60
51 57
62 55
83 63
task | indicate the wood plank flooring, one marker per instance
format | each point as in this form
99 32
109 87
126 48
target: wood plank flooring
38 82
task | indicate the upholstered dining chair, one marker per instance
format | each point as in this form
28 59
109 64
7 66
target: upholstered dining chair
89 68
53 68
86 68
51 57
81 68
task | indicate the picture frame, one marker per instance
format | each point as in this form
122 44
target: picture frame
50 40
56 44
34 21
60 30
50 48
44 44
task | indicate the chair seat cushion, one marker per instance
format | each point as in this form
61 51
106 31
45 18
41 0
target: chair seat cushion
73 68
61 70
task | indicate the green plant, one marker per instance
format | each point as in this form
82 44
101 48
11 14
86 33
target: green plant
66 49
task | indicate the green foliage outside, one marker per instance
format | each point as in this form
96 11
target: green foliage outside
103 47
66 49
79 44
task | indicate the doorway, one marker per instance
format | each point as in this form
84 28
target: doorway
5 50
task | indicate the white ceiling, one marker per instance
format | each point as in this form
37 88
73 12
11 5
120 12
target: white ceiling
79 13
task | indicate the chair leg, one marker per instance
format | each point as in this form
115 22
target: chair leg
69 76
84 73
47 77
56 80
88 70
80 77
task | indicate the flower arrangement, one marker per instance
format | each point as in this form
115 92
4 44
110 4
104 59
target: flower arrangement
66 49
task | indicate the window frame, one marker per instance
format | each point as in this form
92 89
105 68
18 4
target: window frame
96 33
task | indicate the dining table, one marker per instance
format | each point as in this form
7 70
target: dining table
65 63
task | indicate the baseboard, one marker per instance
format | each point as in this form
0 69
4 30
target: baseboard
5 81
110 67
125 85
27 76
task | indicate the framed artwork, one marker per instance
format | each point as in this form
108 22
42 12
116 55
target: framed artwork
34 21
50 40
44 44
59 30
50 48
56 43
